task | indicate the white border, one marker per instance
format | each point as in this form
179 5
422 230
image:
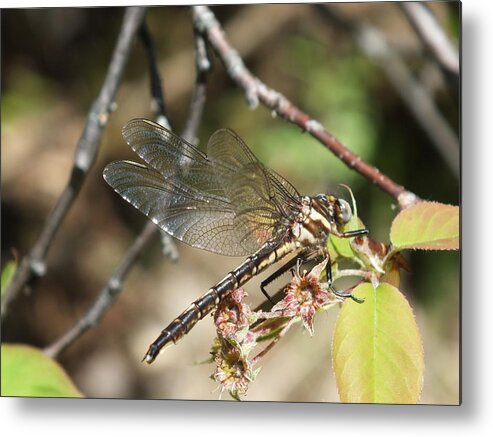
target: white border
163 418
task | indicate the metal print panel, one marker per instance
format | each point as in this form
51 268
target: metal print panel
252 203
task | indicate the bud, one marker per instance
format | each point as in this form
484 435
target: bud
305 295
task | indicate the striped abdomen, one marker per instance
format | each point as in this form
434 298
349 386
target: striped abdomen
252 266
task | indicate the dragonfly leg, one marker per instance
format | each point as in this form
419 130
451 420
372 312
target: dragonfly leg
328 272
297 261
342 294
350 234
290 264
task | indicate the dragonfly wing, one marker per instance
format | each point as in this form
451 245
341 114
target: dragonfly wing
164 151
248 183
217 204
204 222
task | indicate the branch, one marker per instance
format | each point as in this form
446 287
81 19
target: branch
276 339
374 44
107 294
33 265
157 95
158 105
203 66
256 91
432 35
114 285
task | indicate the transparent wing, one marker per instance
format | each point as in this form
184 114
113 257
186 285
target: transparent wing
247 181
221 203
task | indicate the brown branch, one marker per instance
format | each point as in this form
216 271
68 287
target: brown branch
257 92
414 95
276 339
33 265
113 287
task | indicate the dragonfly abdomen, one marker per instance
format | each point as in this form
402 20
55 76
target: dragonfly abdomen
187 319
252 266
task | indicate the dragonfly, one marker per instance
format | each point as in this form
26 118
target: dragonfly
227 202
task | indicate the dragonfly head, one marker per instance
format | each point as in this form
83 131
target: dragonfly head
336 209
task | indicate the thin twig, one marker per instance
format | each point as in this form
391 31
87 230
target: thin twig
374 44
257 92
203 66
168 246
114 285
350 272
276 339
432 35
157 95
107 295
33 265
414 95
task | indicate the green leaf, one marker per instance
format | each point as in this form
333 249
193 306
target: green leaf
7 275
426 225
377 351
27 371
342 246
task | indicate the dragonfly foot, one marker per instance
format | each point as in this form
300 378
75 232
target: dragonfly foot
346 295
150 355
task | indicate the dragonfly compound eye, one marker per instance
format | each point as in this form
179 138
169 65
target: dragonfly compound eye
344 212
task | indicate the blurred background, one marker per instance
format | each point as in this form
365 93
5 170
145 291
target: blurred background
53 65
